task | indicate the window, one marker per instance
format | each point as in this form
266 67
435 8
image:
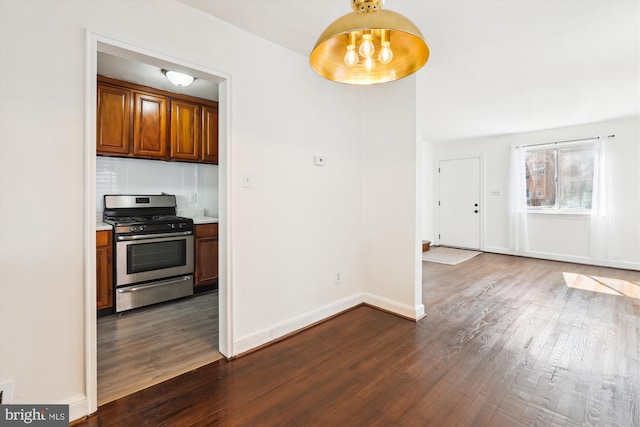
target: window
560 178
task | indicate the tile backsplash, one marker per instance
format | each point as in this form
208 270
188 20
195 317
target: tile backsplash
195 185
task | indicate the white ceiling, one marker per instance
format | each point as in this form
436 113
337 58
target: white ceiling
496 66
145 71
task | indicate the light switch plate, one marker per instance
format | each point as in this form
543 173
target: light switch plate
6 389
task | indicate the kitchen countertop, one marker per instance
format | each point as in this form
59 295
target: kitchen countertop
198 216
204 220
103 226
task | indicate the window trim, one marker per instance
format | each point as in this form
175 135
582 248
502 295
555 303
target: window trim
561 212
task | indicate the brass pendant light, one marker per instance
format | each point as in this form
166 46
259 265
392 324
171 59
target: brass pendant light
369 46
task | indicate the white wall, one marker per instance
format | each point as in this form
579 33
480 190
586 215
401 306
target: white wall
561 237
298 222
289 232
393 208
115 175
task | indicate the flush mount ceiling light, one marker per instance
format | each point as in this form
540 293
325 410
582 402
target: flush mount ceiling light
368 46
178 79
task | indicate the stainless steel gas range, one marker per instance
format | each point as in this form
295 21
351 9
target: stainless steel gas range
153 249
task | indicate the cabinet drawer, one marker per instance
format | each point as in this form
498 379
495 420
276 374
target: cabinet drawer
103 238
206 230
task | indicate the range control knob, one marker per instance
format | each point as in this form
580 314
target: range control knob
132 228
141 227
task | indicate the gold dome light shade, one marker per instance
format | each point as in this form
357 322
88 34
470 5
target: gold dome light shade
339 55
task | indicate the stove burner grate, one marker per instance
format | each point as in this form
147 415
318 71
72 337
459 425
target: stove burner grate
165 218
127 219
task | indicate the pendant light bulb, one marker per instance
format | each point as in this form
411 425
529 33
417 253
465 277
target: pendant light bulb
386 55
367 48
351 57
369 64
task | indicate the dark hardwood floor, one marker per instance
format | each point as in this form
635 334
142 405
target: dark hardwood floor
505 343
149 345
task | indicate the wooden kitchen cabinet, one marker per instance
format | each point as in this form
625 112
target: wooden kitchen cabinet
104 270
206 254
143 122
210 134
114 120
149 126
185 130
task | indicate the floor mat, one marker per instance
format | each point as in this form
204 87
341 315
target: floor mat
451 256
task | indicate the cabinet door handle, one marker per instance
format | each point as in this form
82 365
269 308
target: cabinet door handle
153 285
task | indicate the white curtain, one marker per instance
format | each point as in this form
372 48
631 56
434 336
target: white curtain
518 230
601 207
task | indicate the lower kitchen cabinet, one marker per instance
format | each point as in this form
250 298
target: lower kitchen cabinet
104 271
206 254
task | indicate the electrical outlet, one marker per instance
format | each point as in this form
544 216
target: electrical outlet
337 277
6 392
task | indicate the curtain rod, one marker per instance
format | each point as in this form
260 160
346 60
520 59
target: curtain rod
565 142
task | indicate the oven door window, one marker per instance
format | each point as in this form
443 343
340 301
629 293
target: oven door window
156 256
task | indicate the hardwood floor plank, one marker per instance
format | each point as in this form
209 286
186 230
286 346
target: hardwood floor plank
506 342
152 344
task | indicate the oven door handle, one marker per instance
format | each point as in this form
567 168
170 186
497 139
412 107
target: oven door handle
152 285
154 236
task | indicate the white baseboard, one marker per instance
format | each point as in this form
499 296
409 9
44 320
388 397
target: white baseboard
387 304
279 330
78 407
627 265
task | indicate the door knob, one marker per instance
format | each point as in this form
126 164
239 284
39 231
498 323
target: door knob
476 211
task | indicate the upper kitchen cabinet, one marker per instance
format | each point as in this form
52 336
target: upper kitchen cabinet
149 126
210 134
114 120
143 122
185 130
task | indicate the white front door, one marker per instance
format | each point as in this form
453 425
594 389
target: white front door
459 204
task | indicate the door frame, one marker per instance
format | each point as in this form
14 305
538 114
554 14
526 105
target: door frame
481 195
94 43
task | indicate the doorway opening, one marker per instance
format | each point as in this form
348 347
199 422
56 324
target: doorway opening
152 325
